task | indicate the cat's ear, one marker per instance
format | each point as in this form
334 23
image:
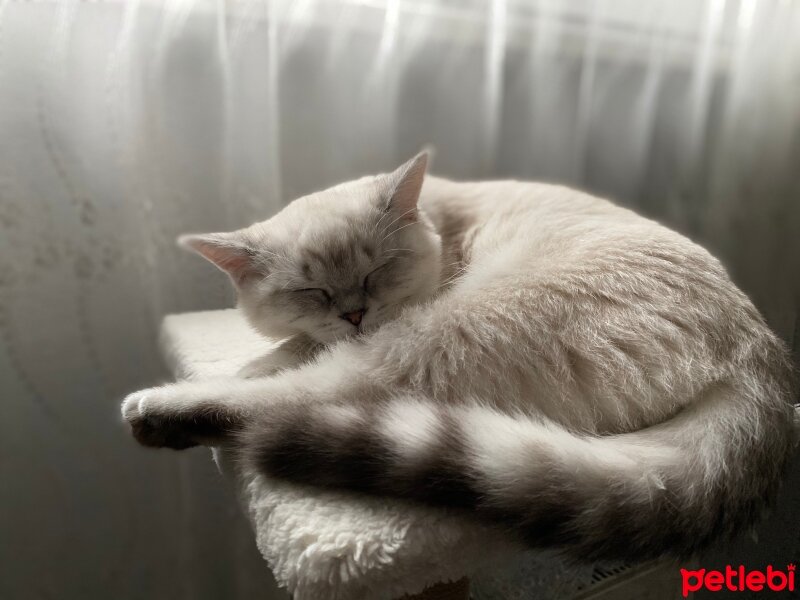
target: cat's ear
405 185
226 251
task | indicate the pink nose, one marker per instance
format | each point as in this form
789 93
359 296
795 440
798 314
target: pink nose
354 317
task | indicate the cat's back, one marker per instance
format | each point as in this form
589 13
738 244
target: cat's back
515 200
540 219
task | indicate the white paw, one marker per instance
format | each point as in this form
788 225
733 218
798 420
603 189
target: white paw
156 402
164 401
154 417
180 415
132 404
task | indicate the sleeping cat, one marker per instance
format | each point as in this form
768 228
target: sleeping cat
551 362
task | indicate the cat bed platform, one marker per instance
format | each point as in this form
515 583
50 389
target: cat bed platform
326 545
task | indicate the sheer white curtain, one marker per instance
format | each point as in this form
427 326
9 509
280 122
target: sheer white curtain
123 124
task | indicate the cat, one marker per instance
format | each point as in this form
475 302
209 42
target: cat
582 376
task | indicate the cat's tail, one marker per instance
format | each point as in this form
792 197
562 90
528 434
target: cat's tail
669 489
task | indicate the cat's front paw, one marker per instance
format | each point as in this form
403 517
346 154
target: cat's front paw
155 428
177 416
270 364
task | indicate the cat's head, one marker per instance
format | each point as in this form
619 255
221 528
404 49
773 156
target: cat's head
334 263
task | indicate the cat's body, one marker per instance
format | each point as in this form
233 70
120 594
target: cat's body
559 365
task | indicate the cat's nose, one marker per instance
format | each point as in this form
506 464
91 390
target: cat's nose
355 316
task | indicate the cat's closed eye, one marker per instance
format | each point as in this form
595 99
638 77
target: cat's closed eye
318 293
369 278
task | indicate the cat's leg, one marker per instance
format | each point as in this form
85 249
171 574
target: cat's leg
186 414
291 354
269 364
209 412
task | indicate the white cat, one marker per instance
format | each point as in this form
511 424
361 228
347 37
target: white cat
550 361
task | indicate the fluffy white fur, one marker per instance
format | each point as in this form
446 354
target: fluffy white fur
593 380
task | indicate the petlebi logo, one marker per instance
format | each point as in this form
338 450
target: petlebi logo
738 580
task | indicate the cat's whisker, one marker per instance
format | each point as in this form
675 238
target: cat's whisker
395 251
395 231
384 214
457 274
406 213
384 235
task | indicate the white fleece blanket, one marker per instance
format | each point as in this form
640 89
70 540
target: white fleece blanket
319 544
